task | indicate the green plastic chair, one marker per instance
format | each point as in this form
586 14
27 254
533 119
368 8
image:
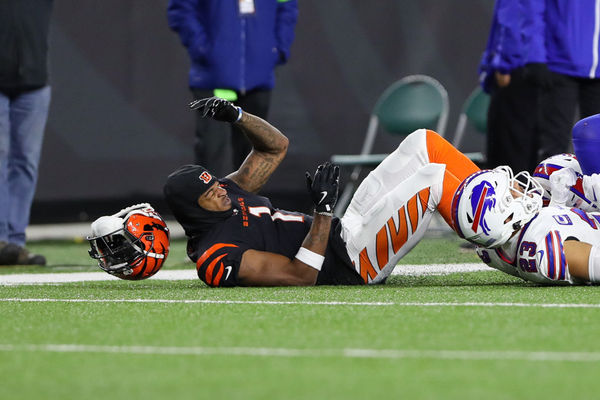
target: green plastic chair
411 103
474 113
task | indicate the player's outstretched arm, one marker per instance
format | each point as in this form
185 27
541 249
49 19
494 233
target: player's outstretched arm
269 145
259 268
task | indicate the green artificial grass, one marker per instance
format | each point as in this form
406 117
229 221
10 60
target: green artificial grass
72 256
476 335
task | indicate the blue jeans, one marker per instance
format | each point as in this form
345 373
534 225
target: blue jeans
22 123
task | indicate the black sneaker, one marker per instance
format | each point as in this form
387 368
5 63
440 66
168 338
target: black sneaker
26 258
9 253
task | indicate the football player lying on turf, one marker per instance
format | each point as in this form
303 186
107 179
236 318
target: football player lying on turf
237 237
557 245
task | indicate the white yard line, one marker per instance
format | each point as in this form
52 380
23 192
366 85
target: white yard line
174 275
307 303
312 353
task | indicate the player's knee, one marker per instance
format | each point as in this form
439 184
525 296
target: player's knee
367 193
413 142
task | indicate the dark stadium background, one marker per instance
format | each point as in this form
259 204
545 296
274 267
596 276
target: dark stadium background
118 122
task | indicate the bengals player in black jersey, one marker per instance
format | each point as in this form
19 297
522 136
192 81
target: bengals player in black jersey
237 238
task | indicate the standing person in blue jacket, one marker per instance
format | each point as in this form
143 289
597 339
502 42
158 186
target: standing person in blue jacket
572 51
514 72
540 63
24 104
234 47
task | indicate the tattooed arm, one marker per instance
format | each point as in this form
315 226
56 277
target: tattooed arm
269 147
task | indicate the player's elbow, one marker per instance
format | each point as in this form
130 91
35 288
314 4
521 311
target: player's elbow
303 276
283 146
306 280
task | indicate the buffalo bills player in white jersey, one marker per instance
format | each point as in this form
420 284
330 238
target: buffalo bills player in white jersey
549 245
571 189
560 243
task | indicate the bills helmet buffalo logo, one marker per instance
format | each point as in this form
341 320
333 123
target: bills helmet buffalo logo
482 200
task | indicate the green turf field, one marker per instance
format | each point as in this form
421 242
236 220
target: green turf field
477 335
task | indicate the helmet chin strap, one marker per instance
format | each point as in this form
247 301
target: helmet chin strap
155 255
114 268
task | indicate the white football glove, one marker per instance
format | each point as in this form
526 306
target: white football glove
591 188
560 185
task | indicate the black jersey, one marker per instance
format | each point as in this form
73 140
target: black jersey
256 225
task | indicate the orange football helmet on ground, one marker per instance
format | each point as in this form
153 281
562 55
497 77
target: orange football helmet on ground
132 244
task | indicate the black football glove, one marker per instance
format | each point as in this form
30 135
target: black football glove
323 188
217 108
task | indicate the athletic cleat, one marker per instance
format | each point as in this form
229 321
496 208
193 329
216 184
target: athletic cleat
9 253
25 257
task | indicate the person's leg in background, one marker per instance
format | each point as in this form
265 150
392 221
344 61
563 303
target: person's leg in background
211 141
512 128
558 104
255 102
586 132
28 116
589 97
8 254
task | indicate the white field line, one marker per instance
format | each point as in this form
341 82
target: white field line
306 303
312 353
174 275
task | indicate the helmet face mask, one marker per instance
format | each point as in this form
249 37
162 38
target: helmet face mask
491 205
137 249
115 252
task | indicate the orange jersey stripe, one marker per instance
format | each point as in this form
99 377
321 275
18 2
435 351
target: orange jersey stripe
211 251
211 267
217 279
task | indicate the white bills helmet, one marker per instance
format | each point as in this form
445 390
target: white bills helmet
490 205
555 163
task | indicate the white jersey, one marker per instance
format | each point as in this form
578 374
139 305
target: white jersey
498 259
536 254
